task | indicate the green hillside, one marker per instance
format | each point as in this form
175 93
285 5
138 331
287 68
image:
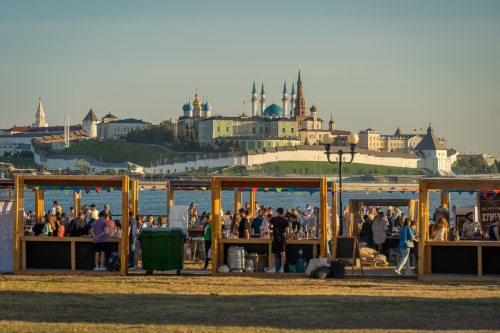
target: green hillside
117 151
20 163
314 168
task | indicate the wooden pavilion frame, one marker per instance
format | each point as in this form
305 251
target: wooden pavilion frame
426 247
219 183
356 204
21 181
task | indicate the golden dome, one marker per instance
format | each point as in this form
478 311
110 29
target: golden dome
196 103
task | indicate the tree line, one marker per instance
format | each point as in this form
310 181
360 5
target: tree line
473 165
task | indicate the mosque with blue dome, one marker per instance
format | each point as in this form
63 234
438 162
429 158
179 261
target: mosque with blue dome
269 126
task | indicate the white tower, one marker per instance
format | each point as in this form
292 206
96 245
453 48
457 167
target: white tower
207 109
40 116
89 124
285 101
292 101
254 101
262 100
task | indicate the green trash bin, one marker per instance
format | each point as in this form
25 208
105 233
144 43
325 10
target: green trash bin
162 249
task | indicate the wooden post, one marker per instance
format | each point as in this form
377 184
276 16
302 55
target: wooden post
323 206
423 217
334 215
124 254
135 201
252 204
9 192
445 200
39 205
238 198
18 222
352 208
216 205
170 202
77 202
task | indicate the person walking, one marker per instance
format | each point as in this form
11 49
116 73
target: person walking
207 237
406 238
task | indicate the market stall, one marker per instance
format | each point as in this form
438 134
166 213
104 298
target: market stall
355 206
187 185
459 260
67 255
311 247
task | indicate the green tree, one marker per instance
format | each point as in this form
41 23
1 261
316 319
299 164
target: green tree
111 172
306 170
375 171
122 171
186 168
279 168
193 169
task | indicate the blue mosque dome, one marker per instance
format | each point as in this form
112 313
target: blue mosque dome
273 110
189 107
184 107
207 107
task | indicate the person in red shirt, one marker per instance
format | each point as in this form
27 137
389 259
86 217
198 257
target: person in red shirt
280 227
111 225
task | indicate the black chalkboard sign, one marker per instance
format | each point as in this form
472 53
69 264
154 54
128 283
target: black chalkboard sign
345 248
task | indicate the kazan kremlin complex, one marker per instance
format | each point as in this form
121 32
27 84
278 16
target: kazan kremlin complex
289 131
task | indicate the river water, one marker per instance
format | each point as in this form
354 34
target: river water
155 202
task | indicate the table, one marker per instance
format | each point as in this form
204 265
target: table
196 241
196 232
46 254
310 248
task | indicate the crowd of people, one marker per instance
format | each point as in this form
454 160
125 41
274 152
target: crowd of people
261 222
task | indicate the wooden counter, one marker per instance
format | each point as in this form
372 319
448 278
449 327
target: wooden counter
61 253
471 258
310 248
196 232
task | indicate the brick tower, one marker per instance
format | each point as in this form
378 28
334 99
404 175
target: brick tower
300 108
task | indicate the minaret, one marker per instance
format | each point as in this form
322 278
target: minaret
262 100
254 101
300 103
40 116
292 101
285 101
331 124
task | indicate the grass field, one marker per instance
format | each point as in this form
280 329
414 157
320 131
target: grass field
314 168
20 162
231 304
117 151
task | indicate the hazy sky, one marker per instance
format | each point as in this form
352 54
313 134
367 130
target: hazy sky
379 64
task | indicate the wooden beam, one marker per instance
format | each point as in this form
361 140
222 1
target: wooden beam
445 200
323 209
73 256
170 202
74 183
135 196
124 254
352 208
423 217
462 184
39 205
216 206
252 204
270 183
77 202
238 198
334 216
18 222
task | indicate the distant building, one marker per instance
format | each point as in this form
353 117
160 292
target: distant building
40 116
90 123
12 147
399 142
434 154
119 128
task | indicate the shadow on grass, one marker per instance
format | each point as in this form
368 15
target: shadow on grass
268 311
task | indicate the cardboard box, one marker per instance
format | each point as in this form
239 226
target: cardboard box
259 262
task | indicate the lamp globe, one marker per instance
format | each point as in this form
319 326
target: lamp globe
353 139
328 139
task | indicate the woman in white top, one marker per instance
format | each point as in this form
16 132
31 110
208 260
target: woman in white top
378 227
227 220
440 230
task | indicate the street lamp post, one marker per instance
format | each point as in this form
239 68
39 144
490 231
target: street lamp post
328 140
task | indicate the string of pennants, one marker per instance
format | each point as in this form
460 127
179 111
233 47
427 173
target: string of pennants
311 191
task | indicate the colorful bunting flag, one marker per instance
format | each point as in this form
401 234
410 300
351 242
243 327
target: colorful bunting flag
290 190
66 191
254 190
278 190
55 191
484 192
98 189
471 192
203 188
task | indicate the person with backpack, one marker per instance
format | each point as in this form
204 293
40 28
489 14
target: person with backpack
406 240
